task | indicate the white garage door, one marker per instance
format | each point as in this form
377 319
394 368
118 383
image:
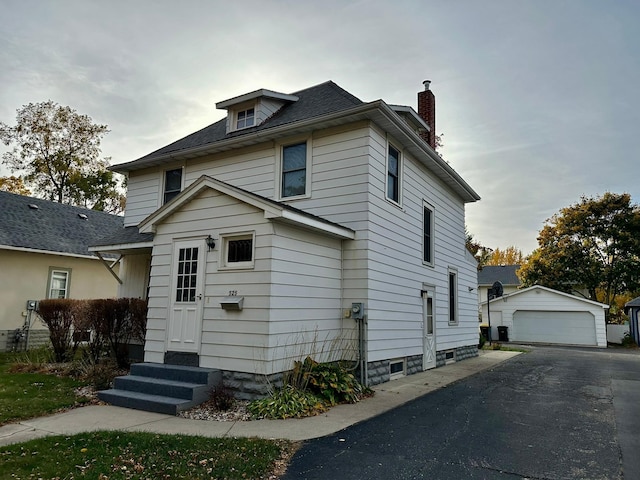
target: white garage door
574 328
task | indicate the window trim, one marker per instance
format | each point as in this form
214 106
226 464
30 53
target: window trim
431 234
280 167
399 174
401 373
163 183
452 297
224 263
52 271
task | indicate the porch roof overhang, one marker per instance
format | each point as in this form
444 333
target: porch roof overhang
379 112
273 210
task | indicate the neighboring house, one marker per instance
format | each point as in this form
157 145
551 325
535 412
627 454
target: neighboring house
268 235
489 274
542 315
44 254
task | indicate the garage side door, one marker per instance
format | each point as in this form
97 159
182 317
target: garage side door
574 328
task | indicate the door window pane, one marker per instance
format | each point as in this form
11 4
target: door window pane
186 283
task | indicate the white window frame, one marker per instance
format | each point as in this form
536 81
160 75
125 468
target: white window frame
452 297
280 170
163 182
427 206
67 284
224 263
236 118
391 144
401 373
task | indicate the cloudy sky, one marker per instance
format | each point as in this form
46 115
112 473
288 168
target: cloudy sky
538 100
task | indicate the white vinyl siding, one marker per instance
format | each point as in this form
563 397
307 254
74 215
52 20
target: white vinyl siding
134 273
291 296
397 271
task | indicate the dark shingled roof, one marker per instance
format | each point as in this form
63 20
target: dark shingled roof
313 102
505 274
52 227
126 235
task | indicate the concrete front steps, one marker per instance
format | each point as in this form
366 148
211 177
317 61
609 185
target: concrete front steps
161 388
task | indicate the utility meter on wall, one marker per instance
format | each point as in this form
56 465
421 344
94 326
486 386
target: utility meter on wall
357 311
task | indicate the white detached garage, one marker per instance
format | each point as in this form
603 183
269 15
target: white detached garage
543 315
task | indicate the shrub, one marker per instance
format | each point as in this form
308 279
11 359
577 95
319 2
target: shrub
628 341
331 382
60 315
287 402
482 341
117 321
221 398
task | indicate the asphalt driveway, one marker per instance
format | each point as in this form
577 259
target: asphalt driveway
553 413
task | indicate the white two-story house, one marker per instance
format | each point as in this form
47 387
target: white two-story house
310 223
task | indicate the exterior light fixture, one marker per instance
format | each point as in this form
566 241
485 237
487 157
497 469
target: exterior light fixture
211 243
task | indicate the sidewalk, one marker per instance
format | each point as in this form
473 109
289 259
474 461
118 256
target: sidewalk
387 396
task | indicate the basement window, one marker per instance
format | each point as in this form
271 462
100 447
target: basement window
397 368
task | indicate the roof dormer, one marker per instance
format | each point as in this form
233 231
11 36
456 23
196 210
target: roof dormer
410 116
252 109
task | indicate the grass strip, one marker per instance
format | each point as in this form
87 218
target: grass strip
28 395
111 455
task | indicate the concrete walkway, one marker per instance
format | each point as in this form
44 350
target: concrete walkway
387 396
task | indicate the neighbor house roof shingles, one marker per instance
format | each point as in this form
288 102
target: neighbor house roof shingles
52 227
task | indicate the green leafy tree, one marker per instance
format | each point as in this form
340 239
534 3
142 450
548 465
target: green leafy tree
593 246
14 185
57 151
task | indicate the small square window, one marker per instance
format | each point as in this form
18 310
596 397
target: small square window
240 250
246 118
237 251
397 368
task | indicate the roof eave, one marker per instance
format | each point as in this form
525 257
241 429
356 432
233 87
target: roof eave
376 111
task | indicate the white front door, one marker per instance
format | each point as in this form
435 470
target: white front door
185 308
429 330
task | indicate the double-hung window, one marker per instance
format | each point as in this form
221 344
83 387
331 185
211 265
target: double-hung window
427 235
294 170
453 297
58 283
246 118
394 169
172 184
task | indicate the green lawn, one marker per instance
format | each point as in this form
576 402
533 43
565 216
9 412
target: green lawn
129 455
28 395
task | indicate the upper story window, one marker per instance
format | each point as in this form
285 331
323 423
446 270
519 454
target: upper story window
172 184
294 170
427 235
453 297
58 283
246 118
394 169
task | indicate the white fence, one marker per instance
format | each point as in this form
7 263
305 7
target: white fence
615 333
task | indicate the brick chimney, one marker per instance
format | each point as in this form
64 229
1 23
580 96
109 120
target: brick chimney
427 111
